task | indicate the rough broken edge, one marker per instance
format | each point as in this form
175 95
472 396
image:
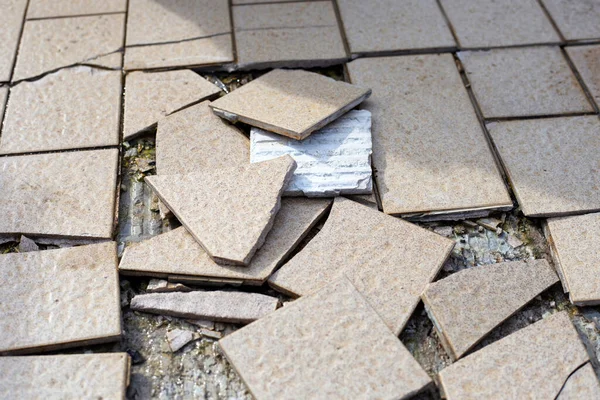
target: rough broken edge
453 214
292 64
62 345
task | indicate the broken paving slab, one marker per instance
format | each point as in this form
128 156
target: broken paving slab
469 304
70 8
551 163
389 260
576 20
583 384
162 286
328 345
298 34
73 300
292 103
527 81
421 111
178 256
228 211
61 195
587 62
73 108
533 362
13 13
332 161
387 26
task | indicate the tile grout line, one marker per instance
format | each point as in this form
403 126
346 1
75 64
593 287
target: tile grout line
342 28
449 23
233 36
580 80
76 16
541 116
552 22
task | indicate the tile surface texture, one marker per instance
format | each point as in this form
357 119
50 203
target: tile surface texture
328 345
552 163
583 384
3 98
13 12
587 62
420 112
389 260
65 8
576 19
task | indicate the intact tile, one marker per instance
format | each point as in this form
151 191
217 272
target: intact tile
421 113
587 62
292 103
298 34
177 255
13 13
533 362
66 8
376 252
236 307
60 195
50 44
520 82
583 384
73 376
334 160
576 19
383 26
328 345
552 163
467 305
73 300
70 109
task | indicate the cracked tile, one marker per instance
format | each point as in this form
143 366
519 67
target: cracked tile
583 384
13 13
576 19
66 8
587 62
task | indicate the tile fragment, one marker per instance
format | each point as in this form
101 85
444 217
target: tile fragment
292 103
162 286
467 305
328 345
68 8
376 252
210 334
177 338
587 62
583 384
13 13
26 245
576 19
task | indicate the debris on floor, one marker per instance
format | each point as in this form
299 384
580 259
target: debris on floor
178 338
162 286
27 245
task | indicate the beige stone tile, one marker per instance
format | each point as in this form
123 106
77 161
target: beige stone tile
13 13
534 362
383 26
73 300
576 19
551 163
587 62
299 34
421 112
328 345
469 304
70 109
65 8
583 384
3 97
292 103
51 44
489 23
61 195
375 251
74 376
525 81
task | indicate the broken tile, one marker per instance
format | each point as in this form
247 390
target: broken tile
50 44
208 325
299 34
13 12
576 19
376 252
292 103
235 307
73 300
551 163
366 199
176 254
152 96
587 62
490 23
520 82
162 286
3 97
583 384
177 338
71 109
574 244
60 195
331 345
430 153
73 376
26 245
385 26
67 8
210 334
467 305
533 362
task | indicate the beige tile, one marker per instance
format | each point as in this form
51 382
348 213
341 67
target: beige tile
329 345
521 82
13 12
3 98
552 163
376 252
74 376
60 195
469 304
489 23
299 34
73 300
587 62
382 26
292 103
534 362
65 8
583 384
50 44
70 109
576 19
421 111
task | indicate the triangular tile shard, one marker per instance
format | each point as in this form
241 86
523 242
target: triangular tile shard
583 384
467 305
330 345
390 261
533 362
228 211
292 103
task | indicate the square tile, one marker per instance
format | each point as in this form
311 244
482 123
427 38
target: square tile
13 13
587 63
66 8
576 19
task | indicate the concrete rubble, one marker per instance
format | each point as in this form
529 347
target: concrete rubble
162 286
26 245
178 338
576 20
13 13
65 8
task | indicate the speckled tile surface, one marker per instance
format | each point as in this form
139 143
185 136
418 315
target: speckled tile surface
576 19
13 12
587 62
583 384
65 8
